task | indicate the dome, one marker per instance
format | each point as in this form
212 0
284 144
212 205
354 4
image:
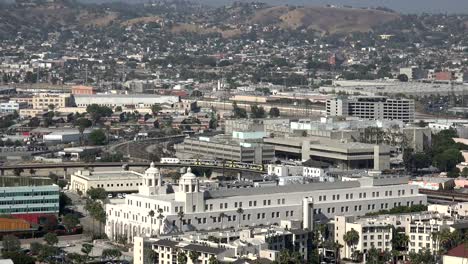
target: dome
189 175
152 169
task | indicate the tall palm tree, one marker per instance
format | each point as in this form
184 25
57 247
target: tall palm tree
160 218
181 216
239 212
222 216
151 215
351 238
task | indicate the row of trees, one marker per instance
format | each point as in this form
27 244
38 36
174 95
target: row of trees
94 206
255 111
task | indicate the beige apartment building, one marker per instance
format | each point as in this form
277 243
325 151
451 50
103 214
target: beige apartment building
43 100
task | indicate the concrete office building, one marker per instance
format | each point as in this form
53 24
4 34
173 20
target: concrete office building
226 148
124 100
340 154
29 202
372 108
109 180
264 124
267 205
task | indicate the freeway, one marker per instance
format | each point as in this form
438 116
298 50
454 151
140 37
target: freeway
69 165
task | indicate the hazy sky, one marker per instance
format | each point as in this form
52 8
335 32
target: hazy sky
405 6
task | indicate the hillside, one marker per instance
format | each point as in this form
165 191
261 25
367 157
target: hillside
322 19
228 21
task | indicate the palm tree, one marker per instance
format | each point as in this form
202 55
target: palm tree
160 218
239 212
151 215
222 216
181 216
351 238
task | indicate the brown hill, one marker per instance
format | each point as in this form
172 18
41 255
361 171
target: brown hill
323 19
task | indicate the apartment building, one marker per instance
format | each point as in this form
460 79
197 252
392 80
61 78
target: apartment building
208 208
44 100
228 245
373 233
372 108
420 233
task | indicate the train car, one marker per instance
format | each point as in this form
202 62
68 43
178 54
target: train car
170 161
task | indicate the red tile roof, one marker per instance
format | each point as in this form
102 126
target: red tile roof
460 251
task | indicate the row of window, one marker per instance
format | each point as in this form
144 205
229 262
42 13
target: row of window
16 194
39 201
27 210
118 185
357 208
362 195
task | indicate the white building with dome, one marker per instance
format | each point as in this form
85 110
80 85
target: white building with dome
210 209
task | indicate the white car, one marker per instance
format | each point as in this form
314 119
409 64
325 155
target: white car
120 196
110 195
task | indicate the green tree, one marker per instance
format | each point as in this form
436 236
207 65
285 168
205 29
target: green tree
82 124
182 258
193 255
403 78
181 216
98 137
51 239
373 256
213 260
448 159
238 112
257 112
351 238
111 253
18 171
11 243
35 248
87 249
70 221
118 109
274 112
422 257
151 214
18 257
239 212
96 193
96 112
155 109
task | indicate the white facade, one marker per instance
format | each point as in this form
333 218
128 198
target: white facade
284 170
11 107
372 108
124 100
260 206
420 234
310 172
372 233
111 181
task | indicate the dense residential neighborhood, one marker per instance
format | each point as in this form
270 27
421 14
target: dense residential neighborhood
182 132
